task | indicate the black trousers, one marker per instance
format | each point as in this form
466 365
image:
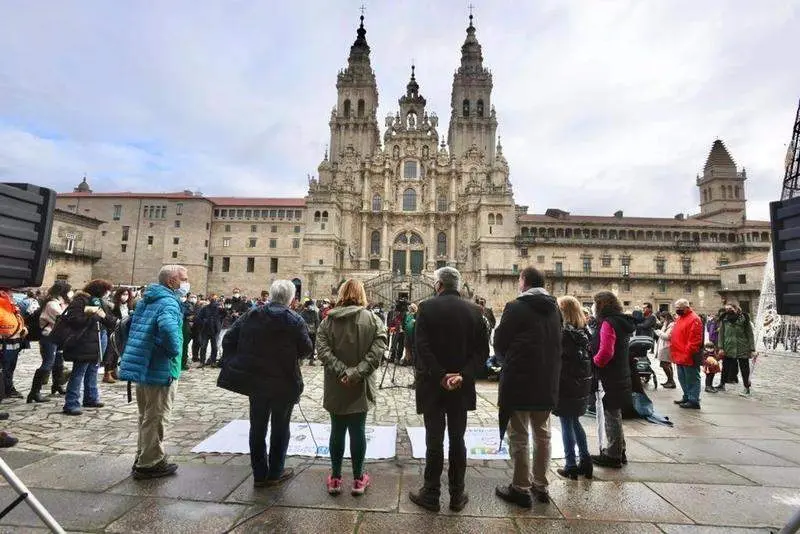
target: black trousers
207 336
454 417
736 365
313 337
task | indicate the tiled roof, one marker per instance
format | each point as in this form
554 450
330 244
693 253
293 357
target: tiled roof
619 221
719 156
268 202
128 194
745 263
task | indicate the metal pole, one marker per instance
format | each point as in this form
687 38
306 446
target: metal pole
793 525
32 501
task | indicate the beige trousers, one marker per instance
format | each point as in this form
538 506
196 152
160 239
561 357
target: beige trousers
518 441
155 405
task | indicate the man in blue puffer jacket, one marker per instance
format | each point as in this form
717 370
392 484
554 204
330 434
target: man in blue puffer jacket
152 359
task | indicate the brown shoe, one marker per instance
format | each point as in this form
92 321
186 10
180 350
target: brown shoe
108 378
113 374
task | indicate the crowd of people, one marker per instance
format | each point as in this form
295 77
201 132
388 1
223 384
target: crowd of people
552 357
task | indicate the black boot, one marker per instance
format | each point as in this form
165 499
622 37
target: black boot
57 388
586 467
35 394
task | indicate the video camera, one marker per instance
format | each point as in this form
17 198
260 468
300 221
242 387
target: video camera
401 304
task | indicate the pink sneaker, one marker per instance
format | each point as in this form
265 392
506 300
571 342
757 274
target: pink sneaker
360 485
334 485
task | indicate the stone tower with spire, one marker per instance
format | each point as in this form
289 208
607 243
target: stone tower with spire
354 120
721 187
472 117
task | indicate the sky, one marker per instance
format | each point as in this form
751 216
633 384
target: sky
602 104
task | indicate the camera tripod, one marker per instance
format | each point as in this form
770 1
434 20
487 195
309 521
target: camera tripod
25 495
394 356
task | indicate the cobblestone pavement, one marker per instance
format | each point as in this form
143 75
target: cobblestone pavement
733 466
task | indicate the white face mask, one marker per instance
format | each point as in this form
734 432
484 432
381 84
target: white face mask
184 288
236 295
193 300
70 295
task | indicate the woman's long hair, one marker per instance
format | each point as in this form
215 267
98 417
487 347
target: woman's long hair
352 293
606 303
571 311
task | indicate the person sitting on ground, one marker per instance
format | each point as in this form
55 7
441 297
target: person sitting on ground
350 344
610 348
262 352
575 388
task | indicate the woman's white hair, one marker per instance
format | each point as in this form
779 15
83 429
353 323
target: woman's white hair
282 292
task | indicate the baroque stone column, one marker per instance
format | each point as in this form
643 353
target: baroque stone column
385 241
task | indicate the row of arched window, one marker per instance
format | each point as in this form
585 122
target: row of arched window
496 218
360 108
409 201
321 216
642 235
410 239
727 192
466 108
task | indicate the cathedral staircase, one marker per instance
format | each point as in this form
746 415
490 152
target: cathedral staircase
388 287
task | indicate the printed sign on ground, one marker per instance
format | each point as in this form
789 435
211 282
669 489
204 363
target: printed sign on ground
482 443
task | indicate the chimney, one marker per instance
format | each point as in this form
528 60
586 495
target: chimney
679 217
618 214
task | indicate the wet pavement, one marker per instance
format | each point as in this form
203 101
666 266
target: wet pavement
732 467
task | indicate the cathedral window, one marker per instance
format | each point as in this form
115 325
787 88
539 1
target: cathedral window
525 232
396 151
409 200
401 239
441 244
499 220
415 240
710 193
410 170
465 108
324 216
441 203
491 219
316 216
479 108
375 243
377 203
360 107
686 264
730 191
347 109
723 192
736 192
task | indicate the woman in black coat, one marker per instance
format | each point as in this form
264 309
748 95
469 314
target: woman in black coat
88 322
575 388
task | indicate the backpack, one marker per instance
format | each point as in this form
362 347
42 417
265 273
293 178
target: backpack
10 321
119 337
64 335
33 325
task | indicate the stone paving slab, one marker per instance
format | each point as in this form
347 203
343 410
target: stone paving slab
784 477
788 450
373 523
18 459
532 526
681 473
80 472
300 521
703 529
713 451
192 482
158 516
736 506
73 510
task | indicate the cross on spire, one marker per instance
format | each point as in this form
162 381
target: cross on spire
363 9
470 7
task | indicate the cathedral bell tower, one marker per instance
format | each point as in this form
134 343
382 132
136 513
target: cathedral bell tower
354 120
472 117
721 187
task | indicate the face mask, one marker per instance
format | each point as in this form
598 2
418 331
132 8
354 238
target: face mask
680 312
193 300
183 299
184 288
70 295
236 295
228 306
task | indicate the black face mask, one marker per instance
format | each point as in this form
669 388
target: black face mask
680 312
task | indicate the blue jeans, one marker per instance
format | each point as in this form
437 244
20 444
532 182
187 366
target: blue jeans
572 434
51 356
689 379
84 376
10 357
261 411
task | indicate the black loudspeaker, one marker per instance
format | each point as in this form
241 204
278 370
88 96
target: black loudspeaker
26 219
785 225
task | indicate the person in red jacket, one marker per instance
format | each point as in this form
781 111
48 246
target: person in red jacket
685 348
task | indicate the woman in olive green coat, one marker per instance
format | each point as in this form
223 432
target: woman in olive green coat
350 343
736 344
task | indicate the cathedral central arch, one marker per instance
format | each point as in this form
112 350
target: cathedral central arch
408 253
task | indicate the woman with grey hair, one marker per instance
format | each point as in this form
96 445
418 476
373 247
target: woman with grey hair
262 351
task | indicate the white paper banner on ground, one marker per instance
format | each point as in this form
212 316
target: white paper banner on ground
482 443
307 440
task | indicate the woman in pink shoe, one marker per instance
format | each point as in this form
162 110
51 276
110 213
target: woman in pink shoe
350 343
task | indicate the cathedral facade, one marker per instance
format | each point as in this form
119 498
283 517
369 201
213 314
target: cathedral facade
390 207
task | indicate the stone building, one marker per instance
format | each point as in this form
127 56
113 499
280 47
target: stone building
740 282
391 209
75 249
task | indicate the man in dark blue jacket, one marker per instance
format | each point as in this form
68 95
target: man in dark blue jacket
210 319
262 351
